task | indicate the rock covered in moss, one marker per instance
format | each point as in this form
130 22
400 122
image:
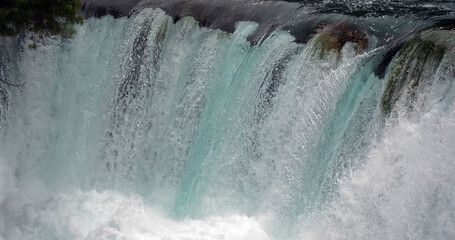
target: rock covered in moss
414 66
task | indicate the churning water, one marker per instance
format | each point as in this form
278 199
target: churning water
142 128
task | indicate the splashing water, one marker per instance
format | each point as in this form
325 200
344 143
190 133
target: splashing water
142 128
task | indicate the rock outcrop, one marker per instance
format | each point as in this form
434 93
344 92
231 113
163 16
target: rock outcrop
332 38
415 65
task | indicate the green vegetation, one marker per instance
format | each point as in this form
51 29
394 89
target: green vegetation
44 20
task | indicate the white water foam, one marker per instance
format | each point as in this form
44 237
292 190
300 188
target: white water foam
111 215
405 189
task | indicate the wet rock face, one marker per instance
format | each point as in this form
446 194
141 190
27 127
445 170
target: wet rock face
116 8
342 33
415 65
334 36
214 14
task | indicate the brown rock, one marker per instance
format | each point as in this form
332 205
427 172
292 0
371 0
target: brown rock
333 37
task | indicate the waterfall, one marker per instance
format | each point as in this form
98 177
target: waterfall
150 128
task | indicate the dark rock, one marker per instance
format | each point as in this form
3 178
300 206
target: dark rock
415 64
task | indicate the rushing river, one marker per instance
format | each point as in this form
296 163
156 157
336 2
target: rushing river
151 127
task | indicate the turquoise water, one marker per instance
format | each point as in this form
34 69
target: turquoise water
141 128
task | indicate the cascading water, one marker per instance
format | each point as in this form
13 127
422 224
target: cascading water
147 128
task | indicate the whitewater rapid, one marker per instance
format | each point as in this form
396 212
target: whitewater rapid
142 128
